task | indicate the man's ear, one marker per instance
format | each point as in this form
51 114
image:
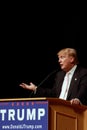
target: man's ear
72 59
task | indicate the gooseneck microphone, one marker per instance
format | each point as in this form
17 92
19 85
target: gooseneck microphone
44 80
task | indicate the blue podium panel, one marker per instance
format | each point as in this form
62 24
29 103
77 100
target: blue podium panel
24 115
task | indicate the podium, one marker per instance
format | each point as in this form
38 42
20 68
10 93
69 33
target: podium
64 116
59 115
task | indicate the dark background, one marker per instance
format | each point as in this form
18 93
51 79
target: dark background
30 40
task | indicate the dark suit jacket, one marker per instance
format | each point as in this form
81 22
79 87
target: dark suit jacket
78 86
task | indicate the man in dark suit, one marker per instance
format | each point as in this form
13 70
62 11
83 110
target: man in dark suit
70 82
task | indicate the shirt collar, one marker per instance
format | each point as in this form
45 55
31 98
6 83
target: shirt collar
72 70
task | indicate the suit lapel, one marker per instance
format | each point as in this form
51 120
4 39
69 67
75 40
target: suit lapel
73 82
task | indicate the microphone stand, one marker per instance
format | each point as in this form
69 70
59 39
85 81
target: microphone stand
44 80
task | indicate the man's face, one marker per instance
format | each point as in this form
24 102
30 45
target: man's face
65 61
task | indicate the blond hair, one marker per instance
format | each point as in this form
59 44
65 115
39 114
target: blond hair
70 52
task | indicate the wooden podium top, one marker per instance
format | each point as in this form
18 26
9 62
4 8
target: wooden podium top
52 101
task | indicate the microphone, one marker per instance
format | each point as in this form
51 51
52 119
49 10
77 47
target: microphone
45 79
50 74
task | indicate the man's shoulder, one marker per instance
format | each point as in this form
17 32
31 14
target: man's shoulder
61 72
81 69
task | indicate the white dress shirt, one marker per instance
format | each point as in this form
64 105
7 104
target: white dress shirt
66 83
